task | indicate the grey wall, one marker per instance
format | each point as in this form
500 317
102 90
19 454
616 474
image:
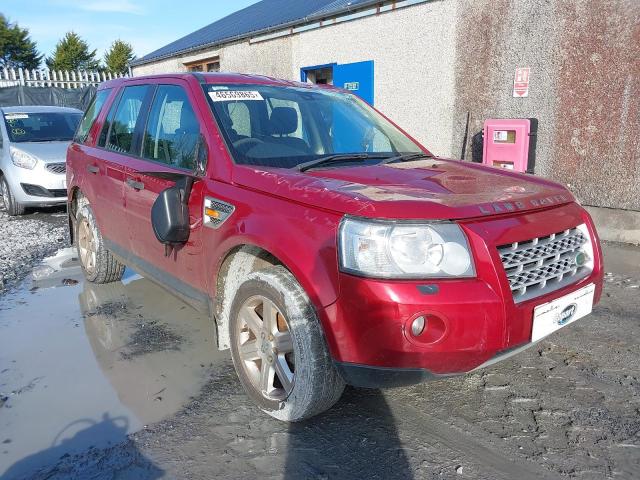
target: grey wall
413 51
585 85
437 62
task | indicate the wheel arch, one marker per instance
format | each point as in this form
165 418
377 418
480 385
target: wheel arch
72 208
236 264
244 258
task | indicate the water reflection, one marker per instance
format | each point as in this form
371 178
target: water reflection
154 349
75 356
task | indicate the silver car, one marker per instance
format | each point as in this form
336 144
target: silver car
33 150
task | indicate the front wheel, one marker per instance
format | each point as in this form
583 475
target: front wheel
278 348
13 207
98 265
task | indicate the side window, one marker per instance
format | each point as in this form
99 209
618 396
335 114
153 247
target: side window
123 124
240 118
102 139
173 130
378 142
90 115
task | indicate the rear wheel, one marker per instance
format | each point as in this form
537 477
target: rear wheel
13 207
98 264
278 348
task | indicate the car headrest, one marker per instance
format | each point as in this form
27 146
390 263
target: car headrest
284 120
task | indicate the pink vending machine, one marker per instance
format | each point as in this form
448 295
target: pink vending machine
510 143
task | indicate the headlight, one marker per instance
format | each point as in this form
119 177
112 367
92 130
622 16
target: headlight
384 249
22 159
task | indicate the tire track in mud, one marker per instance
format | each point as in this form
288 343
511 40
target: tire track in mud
420 424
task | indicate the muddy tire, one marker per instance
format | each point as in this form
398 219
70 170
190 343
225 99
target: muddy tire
12 207
98 265
278 347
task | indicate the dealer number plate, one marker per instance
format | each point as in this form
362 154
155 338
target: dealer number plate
549 317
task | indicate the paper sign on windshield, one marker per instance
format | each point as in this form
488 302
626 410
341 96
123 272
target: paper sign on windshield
235 95
15 116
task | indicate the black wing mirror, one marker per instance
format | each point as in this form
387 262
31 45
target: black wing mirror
170 214
170 211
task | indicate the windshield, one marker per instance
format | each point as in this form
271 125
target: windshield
287 126
41 126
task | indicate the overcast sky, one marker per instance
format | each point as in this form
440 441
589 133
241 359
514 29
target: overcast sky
146 24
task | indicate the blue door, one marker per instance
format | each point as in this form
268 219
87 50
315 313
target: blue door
356 77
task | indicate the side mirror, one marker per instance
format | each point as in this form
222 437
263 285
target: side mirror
170 214
170 211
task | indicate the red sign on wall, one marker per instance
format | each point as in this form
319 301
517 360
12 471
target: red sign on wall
521 82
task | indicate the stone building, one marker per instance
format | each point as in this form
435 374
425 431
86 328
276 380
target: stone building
439 68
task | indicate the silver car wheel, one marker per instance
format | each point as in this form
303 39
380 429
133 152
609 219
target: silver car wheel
265 346
4 191
87 246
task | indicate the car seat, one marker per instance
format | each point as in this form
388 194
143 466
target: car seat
186 138
283 122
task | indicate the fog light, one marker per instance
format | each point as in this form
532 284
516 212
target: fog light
417 326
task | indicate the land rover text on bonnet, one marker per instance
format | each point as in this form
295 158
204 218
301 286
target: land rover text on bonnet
327 245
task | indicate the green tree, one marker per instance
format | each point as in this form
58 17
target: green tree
72 53
119 56
17 50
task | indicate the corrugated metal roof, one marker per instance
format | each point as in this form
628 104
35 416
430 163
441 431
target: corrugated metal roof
261 16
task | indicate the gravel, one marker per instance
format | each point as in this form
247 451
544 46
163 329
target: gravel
25 240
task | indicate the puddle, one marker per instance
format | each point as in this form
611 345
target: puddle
83 365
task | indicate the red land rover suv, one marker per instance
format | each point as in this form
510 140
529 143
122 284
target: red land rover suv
326 244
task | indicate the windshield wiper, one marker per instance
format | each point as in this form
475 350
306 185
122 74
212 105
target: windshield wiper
341 158
407 157
43 140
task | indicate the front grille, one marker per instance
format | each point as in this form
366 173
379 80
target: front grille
542 265
57 167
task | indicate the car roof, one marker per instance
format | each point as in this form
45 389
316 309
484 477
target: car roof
39 109
214 78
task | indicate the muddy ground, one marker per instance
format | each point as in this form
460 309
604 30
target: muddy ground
140 393
27 239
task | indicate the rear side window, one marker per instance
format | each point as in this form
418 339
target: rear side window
240 118
125 119
173 130
106 125
90 115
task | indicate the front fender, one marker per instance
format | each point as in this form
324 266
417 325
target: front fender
301 238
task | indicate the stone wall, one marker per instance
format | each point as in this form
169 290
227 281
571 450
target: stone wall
441 62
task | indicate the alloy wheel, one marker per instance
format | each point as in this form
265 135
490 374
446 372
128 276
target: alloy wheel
265 347
87 246
4 192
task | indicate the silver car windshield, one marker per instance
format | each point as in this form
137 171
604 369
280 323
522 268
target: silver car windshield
288 126
41 126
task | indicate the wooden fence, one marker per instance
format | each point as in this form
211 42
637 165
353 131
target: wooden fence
10 77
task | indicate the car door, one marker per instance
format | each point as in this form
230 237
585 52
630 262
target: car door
115 145
84 159
168 144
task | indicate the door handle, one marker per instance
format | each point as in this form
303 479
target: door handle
93 169
136 185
